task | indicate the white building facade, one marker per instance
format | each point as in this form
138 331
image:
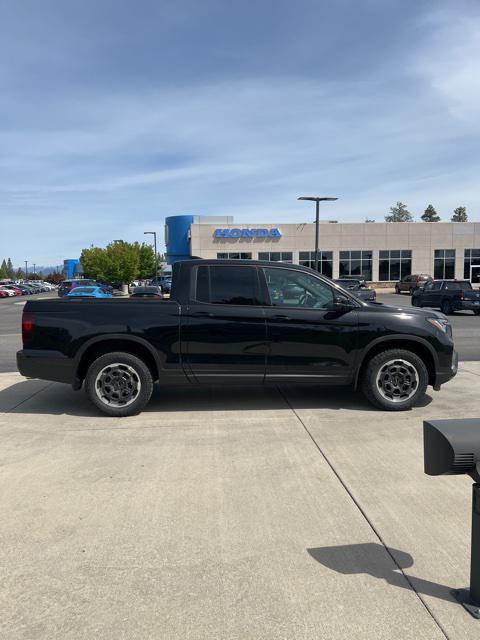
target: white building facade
380 252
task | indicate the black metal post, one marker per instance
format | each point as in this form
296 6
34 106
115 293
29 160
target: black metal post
317 224
26 269
470 598
475 552
156 254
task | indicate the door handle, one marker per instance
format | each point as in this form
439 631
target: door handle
281 317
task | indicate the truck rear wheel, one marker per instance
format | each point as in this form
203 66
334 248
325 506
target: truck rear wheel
394 380
119 384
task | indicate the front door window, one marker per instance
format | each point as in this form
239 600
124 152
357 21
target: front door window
288 288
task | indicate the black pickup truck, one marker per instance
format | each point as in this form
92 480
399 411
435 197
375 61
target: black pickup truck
448 296
237 322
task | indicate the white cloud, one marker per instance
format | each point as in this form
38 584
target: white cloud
449 59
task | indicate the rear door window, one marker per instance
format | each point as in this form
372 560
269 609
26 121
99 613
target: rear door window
227 285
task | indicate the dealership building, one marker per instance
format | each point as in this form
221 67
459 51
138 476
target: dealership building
380 251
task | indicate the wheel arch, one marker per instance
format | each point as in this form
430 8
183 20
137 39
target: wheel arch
413 343
99 346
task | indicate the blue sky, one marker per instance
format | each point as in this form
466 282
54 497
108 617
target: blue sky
114 115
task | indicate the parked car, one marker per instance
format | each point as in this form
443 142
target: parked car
3 294
37 287
165 282
226 322
89 292
23 289
30 290
67 285
147 292
412 283
14 289
358 287
9 292
448 296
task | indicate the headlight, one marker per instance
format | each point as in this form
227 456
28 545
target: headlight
442 324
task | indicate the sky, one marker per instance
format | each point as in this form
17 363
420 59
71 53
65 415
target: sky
114 115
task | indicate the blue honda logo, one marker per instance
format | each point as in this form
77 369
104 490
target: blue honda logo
248 233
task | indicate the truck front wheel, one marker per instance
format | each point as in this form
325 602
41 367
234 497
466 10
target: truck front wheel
394 380
119 384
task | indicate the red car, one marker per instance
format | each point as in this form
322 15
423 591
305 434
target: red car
3 294
17 292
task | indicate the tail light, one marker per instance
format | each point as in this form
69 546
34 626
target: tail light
28 323
462 295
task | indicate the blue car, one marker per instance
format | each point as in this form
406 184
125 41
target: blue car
89 292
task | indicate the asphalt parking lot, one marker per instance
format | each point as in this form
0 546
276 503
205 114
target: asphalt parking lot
231 513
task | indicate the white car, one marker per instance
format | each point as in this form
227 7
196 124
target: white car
8 291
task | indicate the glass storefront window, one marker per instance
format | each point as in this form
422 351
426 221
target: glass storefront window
356 263
276 256
471 258
234 256
325 261
394 264
444 264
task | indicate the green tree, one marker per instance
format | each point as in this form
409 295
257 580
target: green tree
430 215
460 215
10 269
146 259
399 213
55 277
93 261
19 274
369 220
3 270
122 262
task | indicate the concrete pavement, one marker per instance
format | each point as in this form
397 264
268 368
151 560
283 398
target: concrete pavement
226 513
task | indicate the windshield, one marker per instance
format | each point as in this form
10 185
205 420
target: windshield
462 286
83 290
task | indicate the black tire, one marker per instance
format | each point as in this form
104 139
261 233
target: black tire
129 395
415 302
476 312
446 307
411 290
375 389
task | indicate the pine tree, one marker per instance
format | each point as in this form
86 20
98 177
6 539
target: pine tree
460 215
399 213
430 215
3 270
10 270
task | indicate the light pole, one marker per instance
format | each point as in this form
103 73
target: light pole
317 201
154 234
34 274
26 269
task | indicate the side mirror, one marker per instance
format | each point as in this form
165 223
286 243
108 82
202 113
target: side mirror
340 304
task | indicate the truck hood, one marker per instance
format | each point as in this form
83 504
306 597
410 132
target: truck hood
411 311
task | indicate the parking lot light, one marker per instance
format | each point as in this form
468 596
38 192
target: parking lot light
317 200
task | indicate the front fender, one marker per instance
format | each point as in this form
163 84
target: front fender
393 338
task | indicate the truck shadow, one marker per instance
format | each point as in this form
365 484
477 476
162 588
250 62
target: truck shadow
27 397
374 560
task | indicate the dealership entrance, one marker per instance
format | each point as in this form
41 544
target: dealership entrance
474 273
